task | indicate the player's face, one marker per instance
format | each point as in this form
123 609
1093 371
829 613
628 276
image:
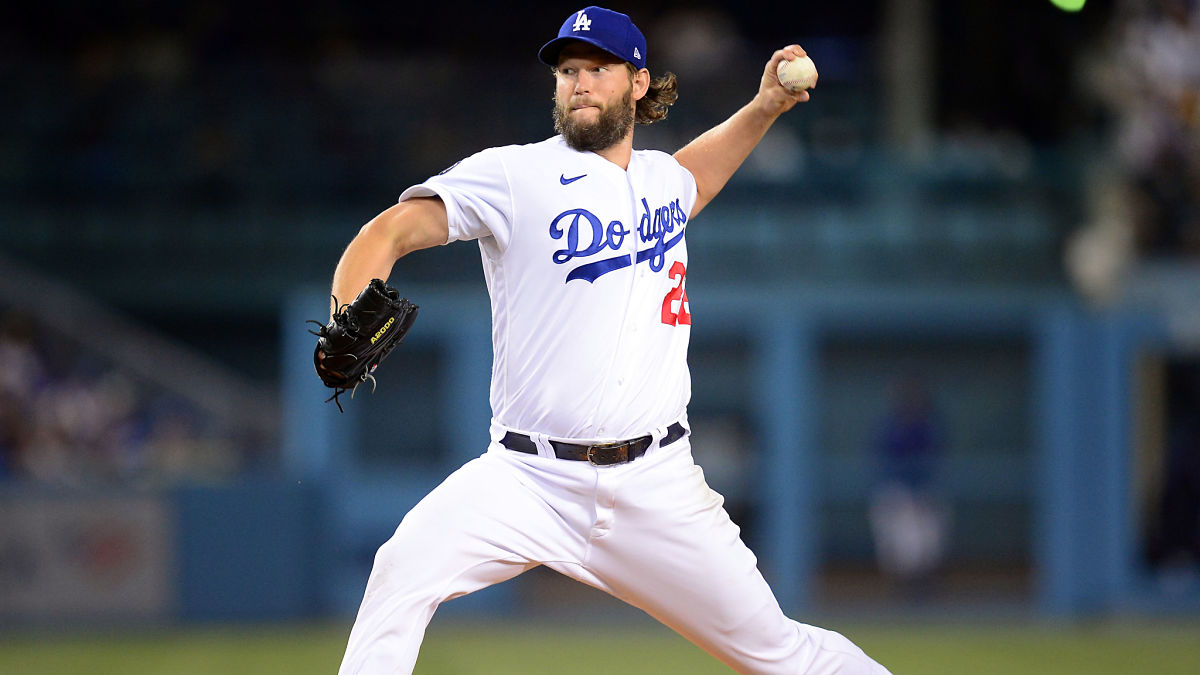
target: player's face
593 98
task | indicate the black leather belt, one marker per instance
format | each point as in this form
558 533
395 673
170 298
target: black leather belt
600 454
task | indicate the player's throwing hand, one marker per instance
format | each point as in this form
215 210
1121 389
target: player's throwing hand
773 96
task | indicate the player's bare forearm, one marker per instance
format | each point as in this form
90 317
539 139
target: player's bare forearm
406 227
715 155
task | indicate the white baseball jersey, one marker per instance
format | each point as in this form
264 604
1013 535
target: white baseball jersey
585 264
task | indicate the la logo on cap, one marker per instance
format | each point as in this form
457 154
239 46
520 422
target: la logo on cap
604 29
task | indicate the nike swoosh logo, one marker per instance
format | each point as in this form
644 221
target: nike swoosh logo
562 178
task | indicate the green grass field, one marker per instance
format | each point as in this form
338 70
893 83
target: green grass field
459 648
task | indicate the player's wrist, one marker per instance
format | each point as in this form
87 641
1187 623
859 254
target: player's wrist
765 108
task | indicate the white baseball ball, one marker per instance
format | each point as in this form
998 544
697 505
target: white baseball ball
798 74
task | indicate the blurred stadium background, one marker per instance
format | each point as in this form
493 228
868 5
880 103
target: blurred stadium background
960 288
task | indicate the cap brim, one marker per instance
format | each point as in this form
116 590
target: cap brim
548 54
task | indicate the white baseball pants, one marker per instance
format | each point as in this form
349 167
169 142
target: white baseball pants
650 532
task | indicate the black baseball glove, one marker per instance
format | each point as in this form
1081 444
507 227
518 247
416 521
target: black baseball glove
359 336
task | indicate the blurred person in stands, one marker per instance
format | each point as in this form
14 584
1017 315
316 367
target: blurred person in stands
21 374
909 521
1151 85
1144 200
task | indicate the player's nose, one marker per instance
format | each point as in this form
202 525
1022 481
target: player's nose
583 82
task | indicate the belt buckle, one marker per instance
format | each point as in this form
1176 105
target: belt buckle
605 459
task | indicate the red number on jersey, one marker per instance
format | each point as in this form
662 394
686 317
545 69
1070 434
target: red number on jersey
676 295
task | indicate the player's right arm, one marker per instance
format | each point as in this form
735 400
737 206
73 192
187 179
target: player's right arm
715 155
411 225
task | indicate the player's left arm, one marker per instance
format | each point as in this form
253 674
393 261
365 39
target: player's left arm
715 155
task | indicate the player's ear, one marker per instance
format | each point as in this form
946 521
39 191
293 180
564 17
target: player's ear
641 83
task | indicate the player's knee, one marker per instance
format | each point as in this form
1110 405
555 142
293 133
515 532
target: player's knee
392 562
386 555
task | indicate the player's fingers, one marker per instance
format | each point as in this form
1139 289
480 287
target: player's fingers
788 53
775 60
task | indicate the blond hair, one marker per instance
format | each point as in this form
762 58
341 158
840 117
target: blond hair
662 93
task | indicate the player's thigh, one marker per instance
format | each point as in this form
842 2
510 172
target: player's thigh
483 513
677 555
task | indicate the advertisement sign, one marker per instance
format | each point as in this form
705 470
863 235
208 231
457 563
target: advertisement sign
76 557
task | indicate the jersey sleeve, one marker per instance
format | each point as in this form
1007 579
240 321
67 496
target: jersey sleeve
477 197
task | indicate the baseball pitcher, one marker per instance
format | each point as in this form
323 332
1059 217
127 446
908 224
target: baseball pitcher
589 468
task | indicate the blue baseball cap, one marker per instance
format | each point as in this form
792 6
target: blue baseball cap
611 31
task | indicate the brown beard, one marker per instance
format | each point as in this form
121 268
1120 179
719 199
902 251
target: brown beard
610 127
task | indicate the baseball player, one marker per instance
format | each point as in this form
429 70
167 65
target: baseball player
589 468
